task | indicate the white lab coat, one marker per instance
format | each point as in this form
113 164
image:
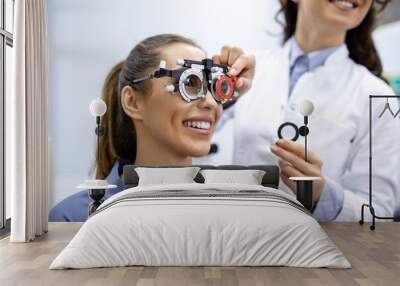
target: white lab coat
339 126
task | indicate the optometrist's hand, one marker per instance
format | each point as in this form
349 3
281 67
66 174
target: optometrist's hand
293 164
241 65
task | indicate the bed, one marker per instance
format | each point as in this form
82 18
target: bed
201 224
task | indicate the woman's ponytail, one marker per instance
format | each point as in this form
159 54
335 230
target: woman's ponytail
108 153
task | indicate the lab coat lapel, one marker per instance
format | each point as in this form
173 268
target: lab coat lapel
330 91
325 84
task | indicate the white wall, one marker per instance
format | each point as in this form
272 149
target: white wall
86 37
387 39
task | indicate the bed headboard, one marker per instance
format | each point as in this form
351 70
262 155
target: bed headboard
130 178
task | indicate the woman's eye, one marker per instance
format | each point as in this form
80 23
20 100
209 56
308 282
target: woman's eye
189 82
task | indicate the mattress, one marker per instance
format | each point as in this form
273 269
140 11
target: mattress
201 225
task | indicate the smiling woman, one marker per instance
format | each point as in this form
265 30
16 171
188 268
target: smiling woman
148 123
329 58
169 130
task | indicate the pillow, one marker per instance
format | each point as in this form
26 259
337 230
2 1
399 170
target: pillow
162 176
248 177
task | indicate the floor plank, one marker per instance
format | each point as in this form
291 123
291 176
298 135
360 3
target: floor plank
374 255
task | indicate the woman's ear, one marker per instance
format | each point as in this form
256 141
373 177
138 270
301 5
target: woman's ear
132 103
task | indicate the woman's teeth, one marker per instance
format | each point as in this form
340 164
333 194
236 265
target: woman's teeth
198 124
344 4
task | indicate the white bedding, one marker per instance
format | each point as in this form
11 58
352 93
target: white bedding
220 225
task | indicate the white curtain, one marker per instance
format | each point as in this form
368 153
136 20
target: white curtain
26 123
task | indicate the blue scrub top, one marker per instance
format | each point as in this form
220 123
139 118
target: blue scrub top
75 207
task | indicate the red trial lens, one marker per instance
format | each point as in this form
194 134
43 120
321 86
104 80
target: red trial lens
225 87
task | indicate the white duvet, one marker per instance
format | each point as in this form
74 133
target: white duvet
220 225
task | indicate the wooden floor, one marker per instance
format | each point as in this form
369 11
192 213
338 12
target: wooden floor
374 255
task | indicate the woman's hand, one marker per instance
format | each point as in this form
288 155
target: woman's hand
293 164
241 65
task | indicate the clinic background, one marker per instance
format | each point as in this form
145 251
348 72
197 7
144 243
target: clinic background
87 37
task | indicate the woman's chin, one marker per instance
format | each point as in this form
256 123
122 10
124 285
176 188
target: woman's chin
340 22
199 151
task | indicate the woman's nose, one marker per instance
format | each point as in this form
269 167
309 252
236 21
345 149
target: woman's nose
208 102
